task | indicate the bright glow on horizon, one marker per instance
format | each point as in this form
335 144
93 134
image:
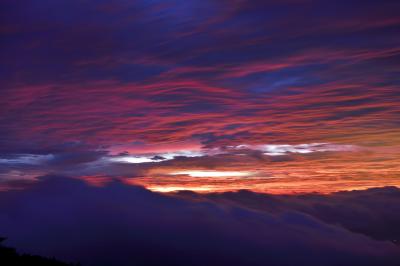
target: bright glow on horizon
208 173
166 189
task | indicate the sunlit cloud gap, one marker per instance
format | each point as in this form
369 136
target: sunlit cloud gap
207 173
266 149
283 149
151 158
166 189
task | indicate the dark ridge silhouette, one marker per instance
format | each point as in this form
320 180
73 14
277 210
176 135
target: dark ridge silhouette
10 257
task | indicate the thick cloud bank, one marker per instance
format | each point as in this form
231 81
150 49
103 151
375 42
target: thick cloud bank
125 225
374 212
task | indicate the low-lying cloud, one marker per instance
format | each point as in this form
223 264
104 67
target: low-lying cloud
124 225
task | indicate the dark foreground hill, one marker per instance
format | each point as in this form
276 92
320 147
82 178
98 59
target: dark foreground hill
10 257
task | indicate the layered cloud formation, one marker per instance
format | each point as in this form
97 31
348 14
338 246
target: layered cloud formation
300 92
124 225
105 104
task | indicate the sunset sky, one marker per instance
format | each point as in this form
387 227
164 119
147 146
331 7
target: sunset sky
201 132
271 96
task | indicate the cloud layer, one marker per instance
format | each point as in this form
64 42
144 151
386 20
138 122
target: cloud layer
87 80
125 225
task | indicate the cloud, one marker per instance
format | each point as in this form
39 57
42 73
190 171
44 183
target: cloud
372 212
125 225
267 168
286 96
283 149
26 159
169 73
171 86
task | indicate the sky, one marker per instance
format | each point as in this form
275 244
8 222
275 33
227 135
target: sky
272 96
152 131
